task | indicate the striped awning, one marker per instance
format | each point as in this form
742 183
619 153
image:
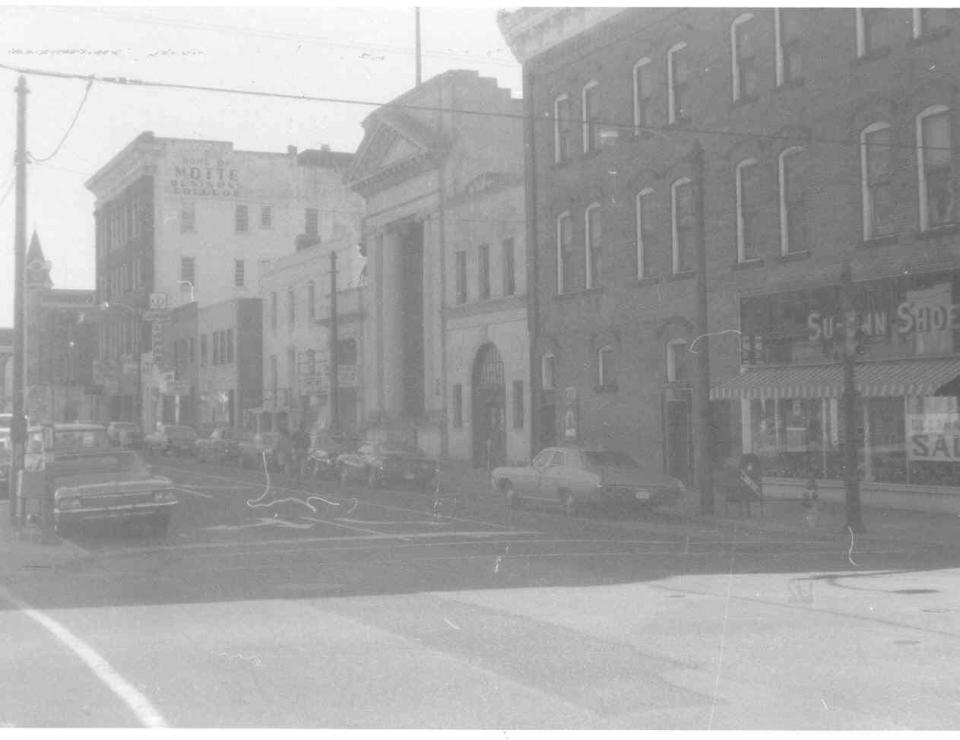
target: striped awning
885 378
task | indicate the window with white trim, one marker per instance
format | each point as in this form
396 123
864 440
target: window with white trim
748 210
677 361
786 31
561 129
872 31
683 225
793 206
927 21
606 375
645 230
239 276
589 113
564 253
677 84
934 167
876 176
591 244
642 92
548 371
743 57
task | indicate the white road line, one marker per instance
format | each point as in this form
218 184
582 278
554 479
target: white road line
137 702
350 527
193 493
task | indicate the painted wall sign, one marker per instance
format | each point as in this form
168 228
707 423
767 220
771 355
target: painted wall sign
204 178
933 437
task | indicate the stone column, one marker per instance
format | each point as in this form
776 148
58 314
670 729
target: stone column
391 328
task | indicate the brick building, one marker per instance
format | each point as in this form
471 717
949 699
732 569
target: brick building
827 140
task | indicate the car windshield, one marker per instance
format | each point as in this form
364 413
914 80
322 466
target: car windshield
126 462
609 458
80 439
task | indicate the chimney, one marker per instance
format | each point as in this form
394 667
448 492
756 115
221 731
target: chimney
325 148
291 150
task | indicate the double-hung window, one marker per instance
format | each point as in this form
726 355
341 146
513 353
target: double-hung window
188 217
793 206
483 271
509 268
591 244
606 378
786 31
564 253
934 167
876 174
645 231
238 273
743 57
748 211
677 361
678 93
562 129
548 371
683 224
642 92
241 219
872 31
589 113
461 277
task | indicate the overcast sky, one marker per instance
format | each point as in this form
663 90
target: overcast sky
354 53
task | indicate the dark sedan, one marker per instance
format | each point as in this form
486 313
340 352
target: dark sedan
379 463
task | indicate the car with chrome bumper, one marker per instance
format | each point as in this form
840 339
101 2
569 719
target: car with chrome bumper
577 477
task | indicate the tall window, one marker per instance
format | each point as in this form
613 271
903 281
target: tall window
509 269
266 217
461 277
876 171
743 57
606 377
591 244
238 273
677 361
518 405
483 271
457 406
204 350
787 37
678 103
311 301
589 113
872 31
793 205
229 335
241 219
291 307
935 177
564 253
188 270
548 372
747 210
188 217
274 378
645 230
312 222
642 92
928 20
684 227
273 311
562 129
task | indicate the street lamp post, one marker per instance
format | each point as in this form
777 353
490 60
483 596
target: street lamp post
138 351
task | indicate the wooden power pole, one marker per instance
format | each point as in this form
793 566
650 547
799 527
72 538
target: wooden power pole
18 426
334 358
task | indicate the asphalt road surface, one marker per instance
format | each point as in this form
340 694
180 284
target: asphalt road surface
321 606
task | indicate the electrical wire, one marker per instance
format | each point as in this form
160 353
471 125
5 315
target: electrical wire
73 123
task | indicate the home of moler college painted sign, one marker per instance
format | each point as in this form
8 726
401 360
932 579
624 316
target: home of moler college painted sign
205 178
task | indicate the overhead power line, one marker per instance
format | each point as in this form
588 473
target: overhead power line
73 123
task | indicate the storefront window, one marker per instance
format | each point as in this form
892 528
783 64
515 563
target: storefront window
794 437
933 440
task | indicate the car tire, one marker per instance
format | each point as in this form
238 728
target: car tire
569 502
510 495
373 480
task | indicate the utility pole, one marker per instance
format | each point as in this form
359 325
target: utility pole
848 358
702 437
334 359
532 258
18 425
416 12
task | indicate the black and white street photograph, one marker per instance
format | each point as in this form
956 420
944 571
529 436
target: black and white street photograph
473 368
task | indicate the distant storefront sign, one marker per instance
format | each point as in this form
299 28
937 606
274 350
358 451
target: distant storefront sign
201 176
934 436
904 316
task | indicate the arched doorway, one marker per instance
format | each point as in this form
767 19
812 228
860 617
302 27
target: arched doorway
489 408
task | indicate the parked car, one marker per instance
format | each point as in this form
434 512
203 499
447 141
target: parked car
378 463
324 453
125 434
172 439
221 445
90 479
574 477
276 446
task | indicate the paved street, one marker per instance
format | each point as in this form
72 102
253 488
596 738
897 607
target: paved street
288 605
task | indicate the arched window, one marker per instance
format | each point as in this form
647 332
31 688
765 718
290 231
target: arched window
606 375
677 84
743 60
872 31
876 177
793 207
645 230
548 370
591 244
682 222
787 40
564 244
934 167
747 210
561 128
642 92
677 361
589 113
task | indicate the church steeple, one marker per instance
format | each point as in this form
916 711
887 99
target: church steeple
37 267
35 251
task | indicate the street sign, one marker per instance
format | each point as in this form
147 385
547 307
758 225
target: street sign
158 301
156 315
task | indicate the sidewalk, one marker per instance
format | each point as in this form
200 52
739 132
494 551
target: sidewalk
780 516
25 548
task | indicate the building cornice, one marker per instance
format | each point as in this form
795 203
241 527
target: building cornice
530 32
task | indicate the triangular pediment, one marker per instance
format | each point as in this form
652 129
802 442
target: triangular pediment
400 149
396 144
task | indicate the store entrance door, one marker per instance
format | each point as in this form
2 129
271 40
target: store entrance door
678 437
489 409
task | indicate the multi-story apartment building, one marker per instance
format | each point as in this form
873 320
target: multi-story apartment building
187 220
296 309
826 140
446 349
